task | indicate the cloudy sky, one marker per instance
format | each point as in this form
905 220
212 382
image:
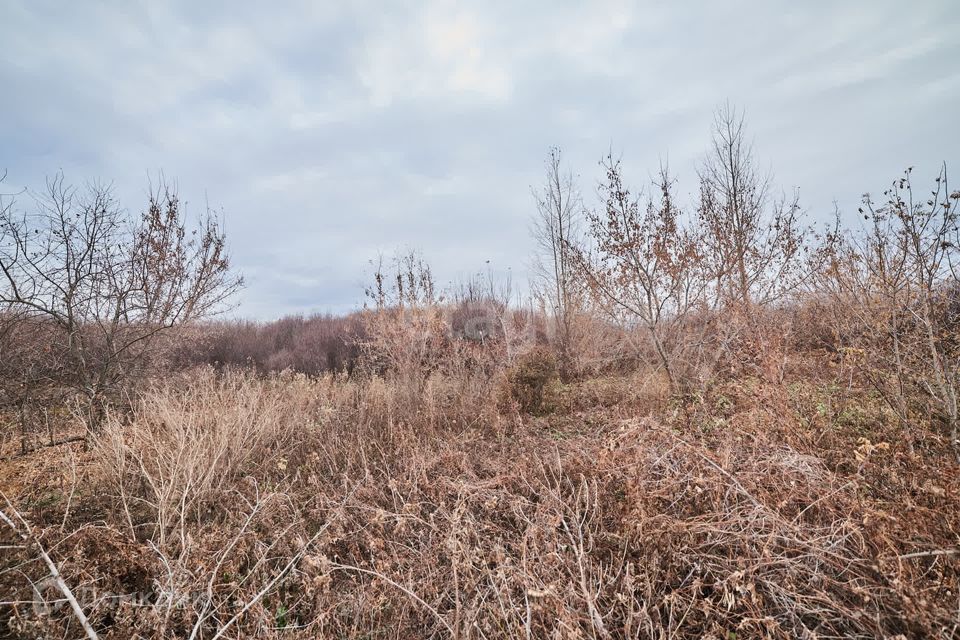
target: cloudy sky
330 132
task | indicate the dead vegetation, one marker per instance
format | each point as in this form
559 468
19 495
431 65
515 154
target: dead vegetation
328 508
703 426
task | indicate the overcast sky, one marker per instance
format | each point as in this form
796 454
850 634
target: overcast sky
329 132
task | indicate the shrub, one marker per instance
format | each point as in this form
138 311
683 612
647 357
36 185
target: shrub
529 377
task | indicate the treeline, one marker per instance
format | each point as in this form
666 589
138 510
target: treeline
714 418
312 345
728 285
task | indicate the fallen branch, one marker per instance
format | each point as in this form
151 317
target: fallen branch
26 534
45 445
930 554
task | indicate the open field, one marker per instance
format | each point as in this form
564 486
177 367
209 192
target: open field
292 507
719 421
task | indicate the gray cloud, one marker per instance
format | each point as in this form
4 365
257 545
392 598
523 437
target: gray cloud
328 133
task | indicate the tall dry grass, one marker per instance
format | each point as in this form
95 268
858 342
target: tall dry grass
290 507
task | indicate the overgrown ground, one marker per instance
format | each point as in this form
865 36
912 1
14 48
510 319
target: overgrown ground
290 507
757 433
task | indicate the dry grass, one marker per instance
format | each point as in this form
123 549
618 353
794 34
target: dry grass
717 425
292 507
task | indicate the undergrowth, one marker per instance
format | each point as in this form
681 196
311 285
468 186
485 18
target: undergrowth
229 505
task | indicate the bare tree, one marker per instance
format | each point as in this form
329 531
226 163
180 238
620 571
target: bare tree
753 241
29 372
556 229
112 285
645 267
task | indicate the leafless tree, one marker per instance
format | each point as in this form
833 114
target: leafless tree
112 285
753 241
556 229
29 372
645 267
